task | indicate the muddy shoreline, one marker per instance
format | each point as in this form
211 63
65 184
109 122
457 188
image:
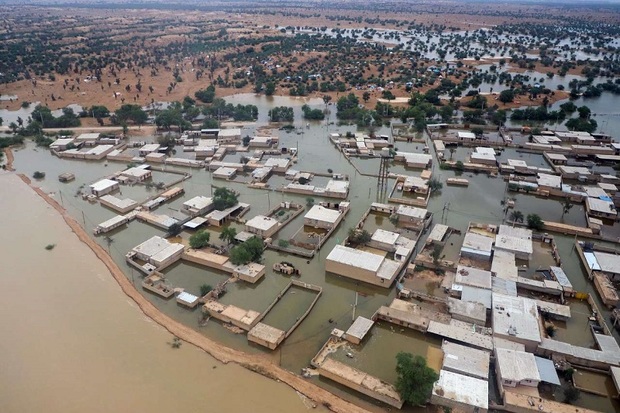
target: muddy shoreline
256 363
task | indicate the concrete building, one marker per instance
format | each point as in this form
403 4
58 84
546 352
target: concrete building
322 217
88 139
262 141
262 226
119 205
358 330
198 205
485 156
418 160
467 311
158 251
548 182
137 174
149 148
474 277
415 184
467 394
266 335
602 208
337 189
465 360
504 265
384 240
278 165
103 187
112 223
466 136
224 172
516 368
516 319
604 262
477 246
62 144
412 217
261 174
362 266
515 240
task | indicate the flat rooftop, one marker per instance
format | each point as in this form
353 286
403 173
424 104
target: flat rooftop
516 316
262 223
385 237
516 365
473 276
465 360
360 327
462 389
356 258
322 214
267 333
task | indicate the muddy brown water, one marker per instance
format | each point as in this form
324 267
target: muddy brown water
73 342
480 202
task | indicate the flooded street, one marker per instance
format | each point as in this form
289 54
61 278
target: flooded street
454 206
73 342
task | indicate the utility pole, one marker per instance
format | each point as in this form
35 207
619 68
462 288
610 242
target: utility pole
354 307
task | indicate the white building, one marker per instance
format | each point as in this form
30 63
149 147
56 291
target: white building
337 189
262 226
137 174
516 368
415 184
473 277
411 216
477 246
279 165
465 360
224 172
198 205
464 393
149 148
103 187
322 217
516 240
516 319
158 251
362 265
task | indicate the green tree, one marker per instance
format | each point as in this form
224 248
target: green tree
415 379
199 239
535 222
1 121
270 88
128 112
566 206
224 198
357 236
228 234
205 289
239 255
507 96
255 247
206 95
516 216
435 185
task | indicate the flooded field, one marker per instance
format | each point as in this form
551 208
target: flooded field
73 342
481 201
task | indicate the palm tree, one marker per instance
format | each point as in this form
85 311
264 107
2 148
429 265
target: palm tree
516 216
228 234
452 150
566 206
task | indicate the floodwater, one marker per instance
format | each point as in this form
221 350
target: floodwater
455 206
73 342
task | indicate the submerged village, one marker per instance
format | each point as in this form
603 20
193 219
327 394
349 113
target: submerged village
332 251
380 212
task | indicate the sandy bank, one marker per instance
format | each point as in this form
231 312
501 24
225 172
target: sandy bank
257 363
